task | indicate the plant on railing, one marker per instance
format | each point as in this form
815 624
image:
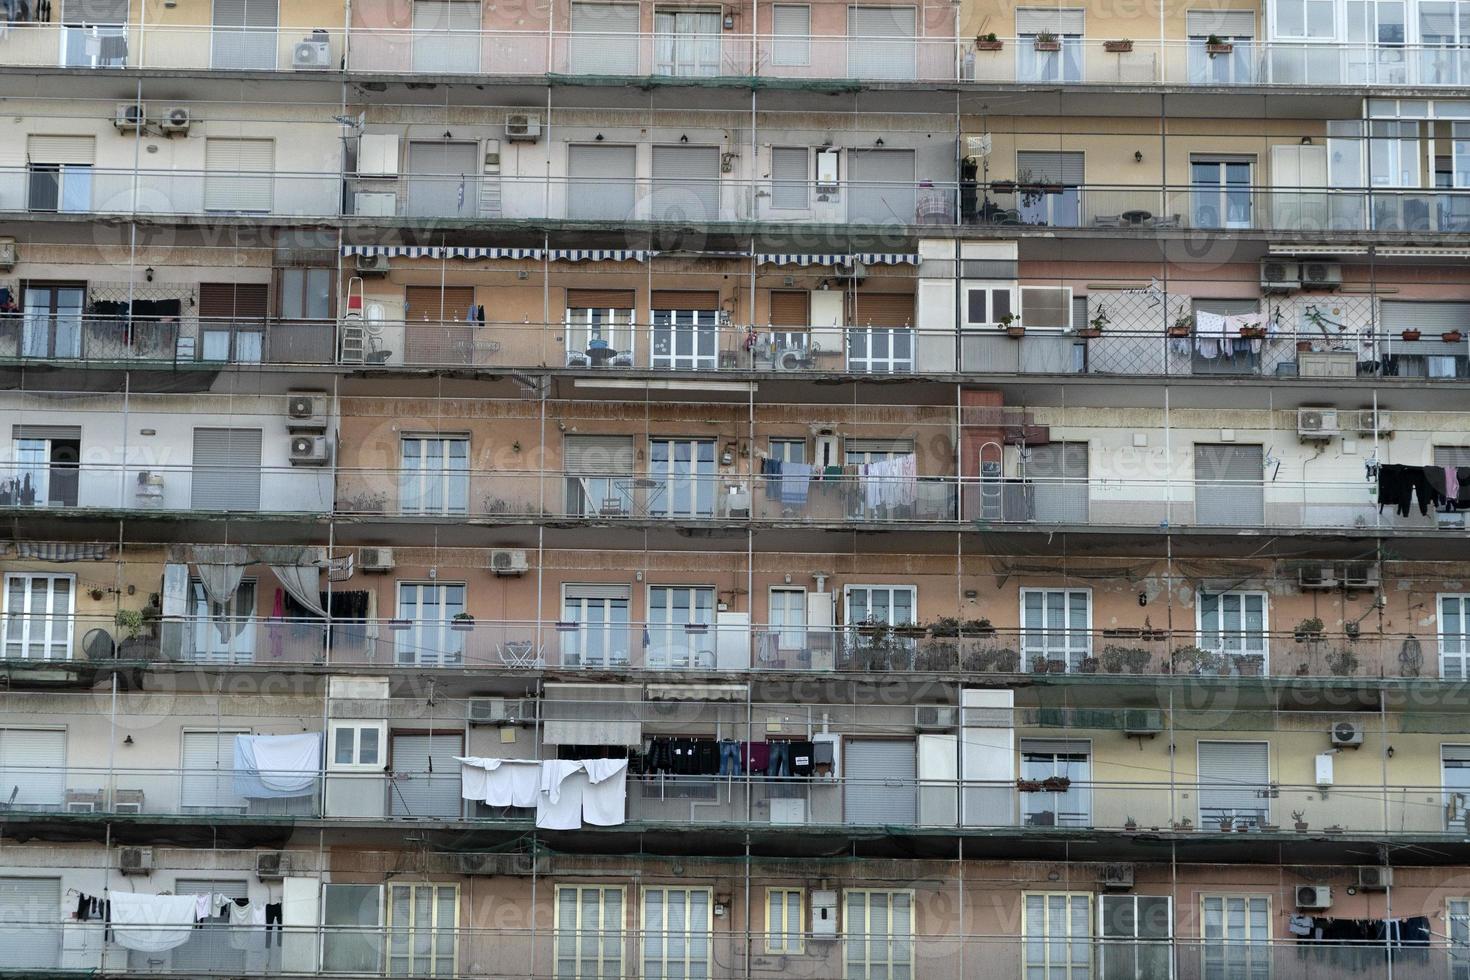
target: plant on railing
1125 660
1214 44
1452 336
1120 46
1130 823
1342 663
1226 823
1411 334
1308 629
988 42
1001 661
365 503
1011 324
1096 325
1352 629
462 621
130 621
1047 41
1028 785
1055 784
1183 325
937 657
1185 824
1298 822
1193 660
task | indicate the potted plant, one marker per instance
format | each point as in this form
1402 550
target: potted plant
945 626
1185 824
1095 325
1047 41
1214 45
1411 334
1089 665
1039 664
910 630
1343 663
1183 325
1130 824
1308 629
1055 784
1011 324
130 623
1028 785
400 625
567 626
1192 660
988 42
1298 822
1351 630
1120 46
1255 332
462 622
1304 347
1452 336
977 627
1056 665
1003 187
1226 823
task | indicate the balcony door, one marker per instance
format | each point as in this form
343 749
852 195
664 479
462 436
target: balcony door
443 179
47 465
223 632
684 471
686 43
39 616
1221 192
595 629
882 43
51 319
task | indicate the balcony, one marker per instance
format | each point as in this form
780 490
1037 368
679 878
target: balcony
198 343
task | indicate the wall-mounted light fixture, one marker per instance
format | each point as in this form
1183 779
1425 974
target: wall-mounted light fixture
684 138
148 273
1137 156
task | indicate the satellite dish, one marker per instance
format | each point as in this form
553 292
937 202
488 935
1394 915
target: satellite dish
99 645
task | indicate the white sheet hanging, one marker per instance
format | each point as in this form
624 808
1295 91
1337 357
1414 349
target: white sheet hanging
277 766
151 923
605 800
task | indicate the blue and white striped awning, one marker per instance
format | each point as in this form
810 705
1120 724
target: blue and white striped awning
802 259
393 251
471 252
599 255
886 258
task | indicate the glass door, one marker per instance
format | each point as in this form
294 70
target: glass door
601 637
683 471
52 320
685 340
680 629
423 634
687 43
38 616
224 632
1221 193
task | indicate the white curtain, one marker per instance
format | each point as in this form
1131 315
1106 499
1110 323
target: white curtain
303 582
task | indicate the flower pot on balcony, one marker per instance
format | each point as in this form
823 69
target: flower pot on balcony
1048 45
1226 823
1252 333
1117 47
1015 332
1303 346
1028 785
1178 332
1090 333
462 624
399 625
1452 336
988 45
1214 49
1301 826
1410 335
1003 186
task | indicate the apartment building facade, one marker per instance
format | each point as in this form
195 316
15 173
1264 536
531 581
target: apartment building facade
864 491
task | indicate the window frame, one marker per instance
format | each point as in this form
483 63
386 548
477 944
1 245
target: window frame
450 651
992 322
413 931
890 941
1460 639
1241 637
329 930
357 728
689 931
847 590
423 477
1223 942
602 930
1457 949
49 621
1101 928
1045 938
780 42
1045 649
776 921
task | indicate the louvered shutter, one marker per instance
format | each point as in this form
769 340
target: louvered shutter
880 778
686 183
30 923
603 182
1452 455
53 432
425 776
33 767
789 188
235 301
1050 20
598 591
1221 23
598 455
1234 778
230 166
451 304
1051 167
244 37
601 299
791 25
881 22
789 308
878 447
1228 487
883 309
226 470
81 150
208 782
94 11
245 13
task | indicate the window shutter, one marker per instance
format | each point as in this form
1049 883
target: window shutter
892 447
245 13
1058 460
94 11
601 299
1054 20
789 308
61 149
789 176
598 455
598 591
1221 23
791 20
604 18
883 309
1226 307
1432 318
226 470
686 182
1452 456
1046 307
33 765
233 300
881 22
881 786
685 299
1052 167
450 304
46 432
209 766
431 788
229 165
30 922
1232 776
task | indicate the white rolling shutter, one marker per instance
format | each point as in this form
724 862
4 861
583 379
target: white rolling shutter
789 177
602 182
1221 23
1234 780
1050 20
1228 485
446 36
80 150
30 923
226 470
604 39
881 42
598 455
208 781
32 767
881 782
686 183
245 34
881 187
1051 167
238 174
425 779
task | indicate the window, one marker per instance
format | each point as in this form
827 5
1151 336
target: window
1061 65
790 188
879 931
1229 489
1304 19
351 918
600 327
604 39
1393 153
245 34
47 465
603 174
232 318
208 949
357 746
1056 477
684 471
423 637
686 183
888 605
680 621
784 910
1050 758
1221 195
600 481
52 319
788 618
239 173
1236 28
30 930
434 475
1136 932
791 23
881 42
1055 181
1046 307
446 36
603 637
208 781
423 921
1233 625
1454 636
63 187
987 306
1234 783
676 933
94 35
589 932
306 294
226 470
789 450
1056 930
39 612
686 43
685 340
1056 624
1237 937
223 632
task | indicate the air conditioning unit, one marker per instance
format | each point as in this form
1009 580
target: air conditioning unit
790 359
500 711
1359 575
1316 424
306 411
1117 876
1320 275
1372 879
1317 578
135 860
310 450
374 204
943 716
372 265
175 120
508 561
1143 721
1372 422
522 127
312 54
7 254
130 116
1313 897
1347 734
272 865
375 559
131 807
851 271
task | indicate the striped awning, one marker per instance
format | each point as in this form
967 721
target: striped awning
393 251
802 259
599 255
887 258
440 252
62 550
473 252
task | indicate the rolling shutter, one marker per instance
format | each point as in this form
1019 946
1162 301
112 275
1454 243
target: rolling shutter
598 591
80 150
1060 492
686 183
1452 455
604 39
208 782
789 176
685 299
1050 20
425 776
236 301
94 11
245 13
789 309
598 455
1233 776
601 299
30 923
226 470
591 714
604 180
883 309
52 432
880 780
1226 307
881 22
879 447
451 304
1228 487
33 767
443 179
1221 23
1051 167
881 187
228 166
1432 318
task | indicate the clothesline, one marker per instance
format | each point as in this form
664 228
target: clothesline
565 792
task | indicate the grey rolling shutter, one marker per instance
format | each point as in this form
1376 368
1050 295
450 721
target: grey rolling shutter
604 39
1059 470
61 149
598 455
1221 23
245 34
789 177
604 180
1051 167
33 767
446 36
208 782
591 714
30 923
892 447
1228 487
880 22
231 167
425 779
791 25
1053 20
880 778
94 11
686 183
443 179
1452 455
881 187
1226 307
1432 318
598 591
1233 777
226 470
46 431
881 44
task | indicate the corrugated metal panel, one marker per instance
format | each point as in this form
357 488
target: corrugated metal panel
30 923
228 166
226 470
601 299
883 309
61 149
425 780
1221 23
789 188
684 299
33 766
789 308
686 183
604 180
208 761
1432 318
1233 776
591 714
449 304
880 782
1051 167
1228 485
46 431
1052 20
598 455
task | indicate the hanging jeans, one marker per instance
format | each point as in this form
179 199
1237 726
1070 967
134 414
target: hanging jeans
273 920
729 758
780 764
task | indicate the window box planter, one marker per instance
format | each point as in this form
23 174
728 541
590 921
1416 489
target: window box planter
400 625
462 624
988 45
1117 47
1015 331
1452 336
1055 784
1052 45
1003 186
563 627
1220 48
1028 785
696 627
1252 333
1411 335
1090 333
1178 332
1303 346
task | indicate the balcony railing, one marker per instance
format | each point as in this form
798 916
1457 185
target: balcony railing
899 57
632 647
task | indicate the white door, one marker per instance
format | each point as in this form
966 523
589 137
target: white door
788 617
1454 636
601 635
39 616
223 632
